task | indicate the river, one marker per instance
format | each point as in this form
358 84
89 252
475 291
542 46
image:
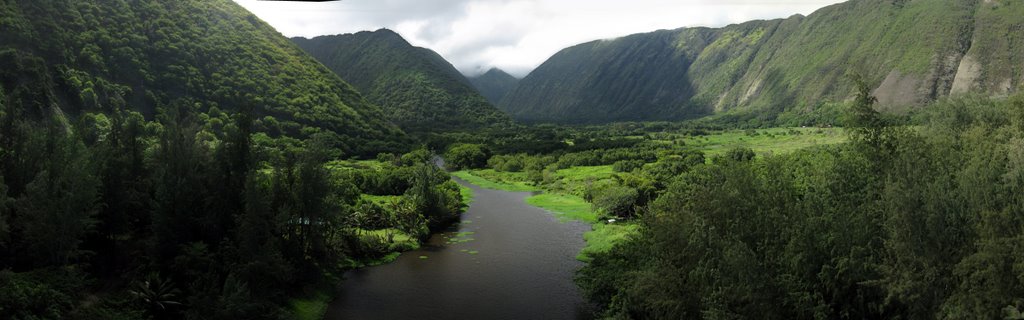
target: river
505 260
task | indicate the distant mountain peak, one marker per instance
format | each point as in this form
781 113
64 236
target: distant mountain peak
496 72
494 84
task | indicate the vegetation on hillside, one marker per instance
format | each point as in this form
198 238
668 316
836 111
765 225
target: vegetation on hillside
772 72
418 90
211 56
168 160
900 222
494 84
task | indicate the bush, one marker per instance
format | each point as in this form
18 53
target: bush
41 294
466 156
740 154
616 201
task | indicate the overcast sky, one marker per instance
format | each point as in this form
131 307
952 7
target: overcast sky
514 35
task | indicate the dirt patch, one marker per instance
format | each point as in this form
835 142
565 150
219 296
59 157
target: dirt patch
966 75
898 91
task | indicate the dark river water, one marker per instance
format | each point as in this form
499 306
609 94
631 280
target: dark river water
506 260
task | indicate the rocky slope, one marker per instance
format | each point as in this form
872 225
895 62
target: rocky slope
913 51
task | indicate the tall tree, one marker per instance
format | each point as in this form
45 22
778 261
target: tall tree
179 188
57 209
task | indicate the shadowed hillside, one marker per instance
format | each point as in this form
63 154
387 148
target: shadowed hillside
418 89
494 84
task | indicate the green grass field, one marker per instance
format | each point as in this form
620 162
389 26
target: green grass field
565 207
475 178
765 141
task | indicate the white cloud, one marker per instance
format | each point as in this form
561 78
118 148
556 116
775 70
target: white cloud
515 35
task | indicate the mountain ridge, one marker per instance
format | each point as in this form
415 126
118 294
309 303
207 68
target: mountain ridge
912 51
104 55
417 88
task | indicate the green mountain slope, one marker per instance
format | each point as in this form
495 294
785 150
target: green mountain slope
915 51
147 55
417 88
494 84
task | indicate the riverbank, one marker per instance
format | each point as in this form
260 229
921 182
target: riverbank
503 250
566 207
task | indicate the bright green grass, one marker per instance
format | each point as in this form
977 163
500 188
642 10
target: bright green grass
603 237
355 165
767 141
310 308
467 194
381 200
565 207
488 184
578 172
514 178
398 237
575 180
389 258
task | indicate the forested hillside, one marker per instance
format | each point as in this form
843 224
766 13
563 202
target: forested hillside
917 51
145 56
494 84
417 88
179 160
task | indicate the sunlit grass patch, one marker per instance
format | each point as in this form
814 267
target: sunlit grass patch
565 207
488 184
467 194
354 165
586 172
381 200
310 308
766 141
603 237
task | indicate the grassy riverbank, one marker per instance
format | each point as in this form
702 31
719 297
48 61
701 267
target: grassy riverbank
566 207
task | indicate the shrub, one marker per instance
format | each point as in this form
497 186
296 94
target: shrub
617 201
466 156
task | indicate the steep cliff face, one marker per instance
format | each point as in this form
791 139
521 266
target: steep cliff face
914 51
416 87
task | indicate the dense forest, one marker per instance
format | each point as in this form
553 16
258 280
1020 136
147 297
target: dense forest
182 160
169 160
913 222
494 84
102 55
